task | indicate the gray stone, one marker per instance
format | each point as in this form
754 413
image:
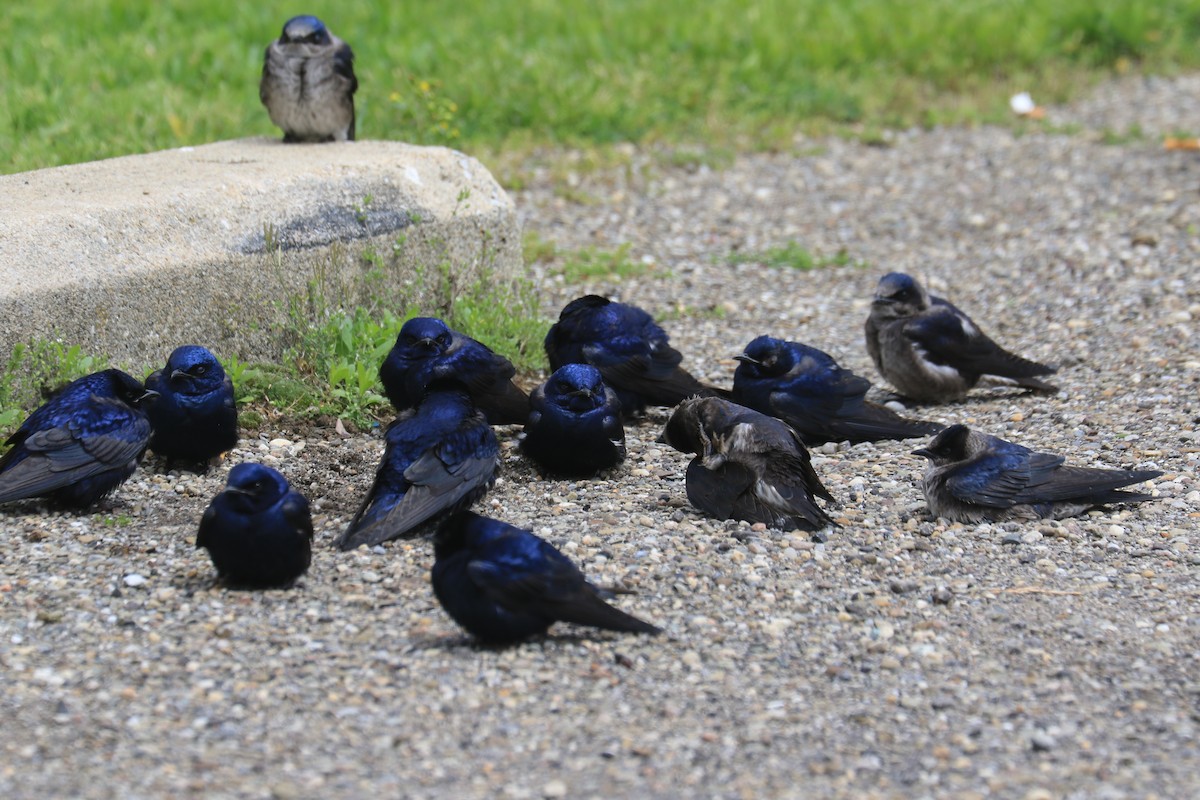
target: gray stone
132 256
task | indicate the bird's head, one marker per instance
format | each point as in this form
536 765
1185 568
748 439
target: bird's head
193 369
305 29
579 387
764 356
899 295
253 487
951 445
424 337
128 388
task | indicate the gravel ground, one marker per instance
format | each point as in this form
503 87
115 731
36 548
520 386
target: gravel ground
906 657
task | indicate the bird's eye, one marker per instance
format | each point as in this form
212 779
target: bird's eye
444 339
199 369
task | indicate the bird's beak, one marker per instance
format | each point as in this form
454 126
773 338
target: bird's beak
147 394
924 451
745 359
178 373
581 393
427 342
884 300
238 490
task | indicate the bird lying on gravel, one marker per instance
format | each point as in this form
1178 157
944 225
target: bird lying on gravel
574 426
83 443
934 353
308 83
973 477
438 459
258 531
194 415
503 584
632 353
823 402
748 465
426 350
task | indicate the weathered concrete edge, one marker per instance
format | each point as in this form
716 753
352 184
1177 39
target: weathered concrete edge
190 275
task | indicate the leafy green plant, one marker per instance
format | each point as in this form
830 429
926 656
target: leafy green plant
33 371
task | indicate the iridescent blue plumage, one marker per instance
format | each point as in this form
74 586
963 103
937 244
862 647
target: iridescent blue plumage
427 351
439 458
631 351
574 425
504 584
806 388
194 416
81 444
258 531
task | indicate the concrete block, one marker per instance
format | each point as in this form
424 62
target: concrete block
132 256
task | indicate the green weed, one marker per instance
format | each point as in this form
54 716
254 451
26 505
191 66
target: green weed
593 263
793 256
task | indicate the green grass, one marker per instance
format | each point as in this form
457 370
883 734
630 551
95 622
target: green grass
88 79
591 263
33 371
793 256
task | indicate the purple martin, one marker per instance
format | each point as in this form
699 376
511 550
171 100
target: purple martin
504 584
427 351
823 402
258 531
574 426
308 83
438 459
83 443
632 353
748 465
973 477
934 353
194 415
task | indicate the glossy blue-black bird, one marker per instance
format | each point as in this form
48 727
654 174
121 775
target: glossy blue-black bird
194 416
934 353
574 426
427 351
632 353
973 477
504 584
748 465
806 388
258 531
308 83
438 459
81 444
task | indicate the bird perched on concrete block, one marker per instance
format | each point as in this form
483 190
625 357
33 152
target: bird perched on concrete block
258 531
748 465
504 584
308 83
574 427
194 415
973 477
806 388
81 444
631 351
427 351
438 459
934 353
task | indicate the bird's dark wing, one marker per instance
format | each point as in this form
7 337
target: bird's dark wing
111 436
343 64
718 492
438 483
296 511
652 372
553 588
1000 479
1079 483
949 338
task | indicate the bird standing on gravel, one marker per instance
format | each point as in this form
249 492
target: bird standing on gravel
973 477
632 352
426 351
806 388
504 584
438 459
83 443
258 531
748 465
308 83
934 353
574 425
194 415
